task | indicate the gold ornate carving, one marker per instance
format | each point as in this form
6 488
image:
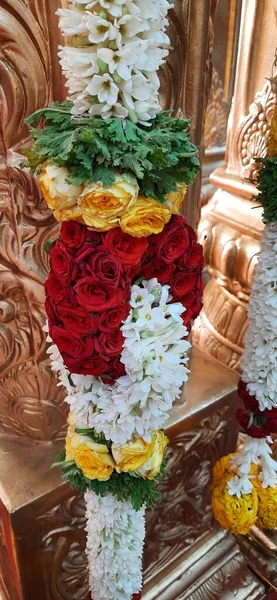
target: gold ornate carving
252 139
216 115
231 225
31 403
231 578
29 79
63 537
27 73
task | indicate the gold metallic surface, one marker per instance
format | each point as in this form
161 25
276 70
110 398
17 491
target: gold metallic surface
187 556
230 226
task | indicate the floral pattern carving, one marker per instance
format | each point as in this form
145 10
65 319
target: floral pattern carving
254 132
233 577
27 77
216 115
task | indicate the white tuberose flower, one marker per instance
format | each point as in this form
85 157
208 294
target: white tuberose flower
71 22
104 88
114 7
119 61
99 29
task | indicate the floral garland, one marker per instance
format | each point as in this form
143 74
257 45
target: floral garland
245 484
125 275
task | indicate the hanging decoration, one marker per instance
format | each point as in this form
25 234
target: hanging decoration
125 275
245 483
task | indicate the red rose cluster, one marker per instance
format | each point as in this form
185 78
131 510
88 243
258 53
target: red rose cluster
175 258
88 288
252 420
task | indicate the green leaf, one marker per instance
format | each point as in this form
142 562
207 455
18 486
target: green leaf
55 112
124 486
132 132
103 174
92 149
267 187
49 245
59 146
33 160
130 161
115 130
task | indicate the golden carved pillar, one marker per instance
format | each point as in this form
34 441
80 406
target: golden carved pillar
224 56
230 226
42 536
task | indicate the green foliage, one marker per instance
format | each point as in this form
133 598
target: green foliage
267 186
49 245
123 486
160 155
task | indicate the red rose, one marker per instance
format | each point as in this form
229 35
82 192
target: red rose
129 249
94 365
58 291
61 261
70 343
182 283
269 412
106 267
254 431
109 344
193 306
249 401
101 265
171 243
76 318
116 369
195 257
112 319
271 424
73 234
158 269
95 297
53 318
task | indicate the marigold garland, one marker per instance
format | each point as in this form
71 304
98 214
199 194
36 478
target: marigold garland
125 276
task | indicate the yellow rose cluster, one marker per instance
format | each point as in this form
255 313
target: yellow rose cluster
96 461
238 515
102 208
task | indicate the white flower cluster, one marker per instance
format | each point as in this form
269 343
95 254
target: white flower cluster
115 538
259 364
115 48
255 451
154 354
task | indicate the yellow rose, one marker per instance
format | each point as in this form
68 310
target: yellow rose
131 456
146 216
174 199
60 195
141 457
73 439
152 466
102 206
94 463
